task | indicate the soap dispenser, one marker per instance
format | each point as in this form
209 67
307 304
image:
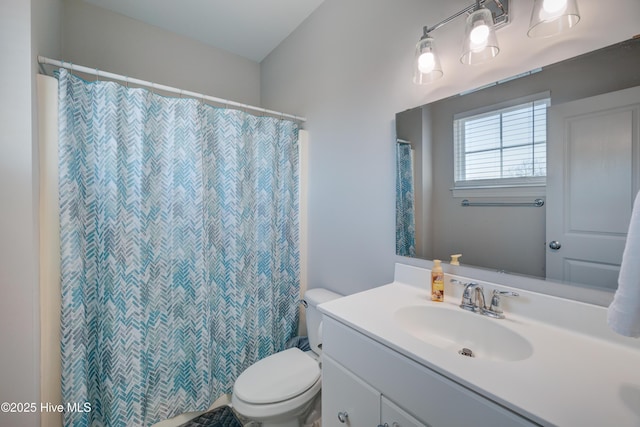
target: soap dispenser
437 282
455 259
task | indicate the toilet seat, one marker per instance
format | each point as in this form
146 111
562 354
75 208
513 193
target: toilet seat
277 378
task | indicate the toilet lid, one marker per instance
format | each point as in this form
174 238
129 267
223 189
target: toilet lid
278 377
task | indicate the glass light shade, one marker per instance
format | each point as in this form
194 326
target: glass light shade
550 17
480 41
426 67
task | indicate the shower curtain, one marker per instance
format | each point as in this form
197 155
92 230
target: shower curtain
179 249
405 209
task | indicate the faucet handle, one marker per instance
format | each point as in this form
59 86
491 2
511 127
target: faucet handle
495 309
505 293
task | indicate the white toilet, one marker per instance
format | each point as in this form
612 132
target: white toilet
278 390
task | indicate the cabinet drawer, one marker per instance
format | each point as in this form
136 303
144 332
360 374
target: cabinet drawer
426 395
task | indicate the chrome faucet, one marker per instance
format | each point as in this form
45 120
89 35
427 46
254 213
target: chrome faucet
473 299
472 293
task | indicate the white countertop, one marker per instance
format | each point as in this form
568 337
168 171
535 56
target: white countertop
579 373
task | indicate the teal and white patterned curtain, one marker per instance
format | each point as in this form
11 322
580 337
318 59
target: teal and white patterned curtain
179 247
405 209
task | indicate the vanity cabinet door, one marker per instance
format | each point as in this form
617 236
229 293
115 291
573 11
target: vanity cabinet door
346 399
392 415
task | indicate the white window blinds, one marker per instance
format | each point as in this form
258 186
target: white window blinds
502 147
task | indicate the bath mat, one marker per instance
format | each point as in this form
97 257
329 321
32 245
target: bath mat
219 417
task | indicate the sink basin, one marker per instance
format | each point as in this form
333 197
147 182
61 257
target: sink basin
454 329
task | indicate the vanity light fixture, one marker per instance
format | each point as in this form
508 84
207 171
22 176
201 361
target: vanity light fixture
550 17
480 44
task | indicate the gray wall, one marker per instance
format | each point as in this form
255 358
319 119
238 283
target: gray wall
18 276
98 38
427 183
26 29
347 68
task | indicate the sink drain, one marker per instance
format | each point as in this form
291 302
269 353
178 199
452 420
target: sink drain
466 352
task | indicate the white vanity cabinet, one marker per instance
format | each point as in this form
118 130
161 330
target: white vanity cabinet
366 383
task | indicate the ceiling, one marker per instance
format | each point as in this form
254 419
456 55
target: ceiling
249 28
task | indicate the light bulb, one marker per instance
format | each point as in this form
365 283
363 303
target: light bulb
479 34
554 6
426 62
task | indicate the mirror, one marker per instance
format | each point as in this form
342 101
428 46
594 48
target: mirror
503 229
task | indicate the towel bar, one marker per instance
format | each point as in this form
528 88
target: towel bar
537 203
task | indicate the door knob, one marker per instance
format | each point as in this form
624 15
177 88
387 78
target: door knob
343 416
555 245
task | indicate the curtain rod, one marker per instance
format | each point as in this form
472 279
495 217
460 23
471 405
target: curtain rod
155 86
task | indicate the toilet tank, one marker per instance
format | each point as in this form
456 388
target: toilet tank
313 298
